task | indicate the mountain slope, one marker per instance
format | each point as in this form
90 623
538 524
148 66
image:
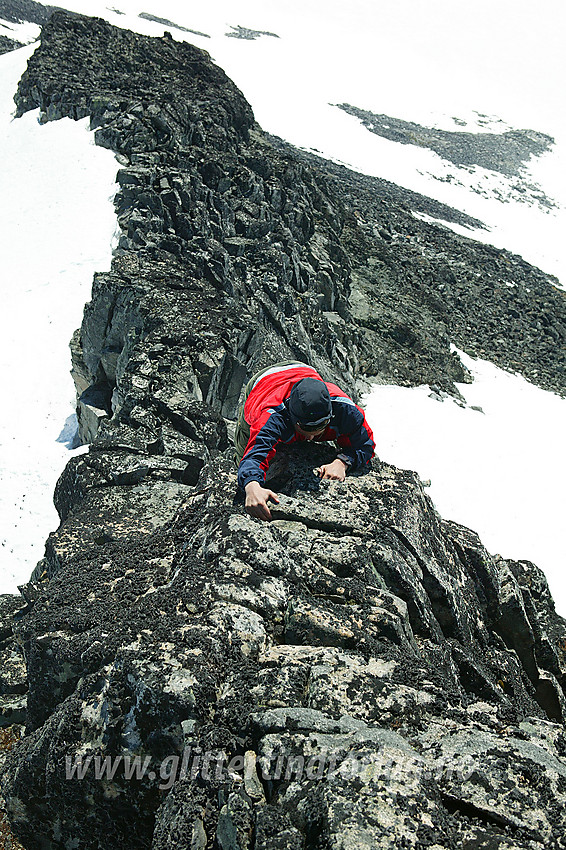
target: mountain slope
416 681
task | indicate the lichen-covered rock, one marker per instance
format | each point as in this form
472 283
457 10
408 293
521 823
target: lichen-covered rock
355 673
330 693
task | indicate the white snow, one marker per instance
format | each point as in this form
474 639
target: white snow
499 471
56 226
22 32
493 65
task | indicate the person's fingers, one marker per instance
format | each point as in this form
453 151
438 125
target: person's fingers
273 496
259 511
333 476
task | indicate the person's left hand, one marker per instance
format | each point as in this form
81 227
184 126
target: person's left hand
335 471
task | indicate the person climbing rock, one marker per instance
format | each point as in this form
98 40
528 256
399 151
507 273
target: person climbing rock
287 402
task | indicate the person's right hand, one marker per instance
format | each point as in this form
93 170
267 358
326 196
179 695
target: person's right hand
257 498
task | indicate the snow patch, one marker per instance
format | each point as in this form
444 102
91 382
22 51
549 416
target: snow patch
497 465
56 224
24 33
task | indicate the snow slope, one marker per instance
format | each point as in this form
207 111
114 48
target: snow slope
496 465
56 227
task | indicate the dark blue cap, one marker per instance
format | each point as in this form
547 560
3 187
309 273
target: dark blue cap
309 402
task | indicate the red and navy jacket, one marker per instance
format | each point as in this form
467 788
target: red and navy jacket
266 411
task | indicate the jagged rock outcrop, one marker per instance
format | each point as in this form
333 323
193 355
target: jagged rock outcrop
356 635
356 673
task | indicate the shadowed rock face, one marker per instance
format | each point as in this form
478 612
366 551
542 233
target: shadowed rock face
356 673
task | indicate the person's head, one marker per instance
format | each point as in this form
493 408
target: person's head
310 407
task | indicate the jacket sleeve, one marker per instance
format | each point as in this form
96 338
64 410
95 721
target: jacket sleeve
265 434
355 437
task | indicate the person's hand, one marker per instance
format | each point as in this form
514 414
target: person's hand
257 498
335 471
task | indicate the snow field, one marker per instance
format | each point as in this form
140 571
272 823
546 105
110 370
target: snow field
500 470
56 227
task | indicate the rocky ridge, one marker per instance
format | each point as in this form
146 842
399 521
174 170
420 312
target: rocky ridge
8 44
501 157
18 11
506 152
357 673
147 16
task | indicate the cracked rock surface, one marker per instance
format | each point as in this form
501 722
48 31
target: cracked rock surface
349 660
357 673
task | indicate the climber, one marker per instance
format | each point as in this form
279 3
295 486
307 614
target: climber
287 402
